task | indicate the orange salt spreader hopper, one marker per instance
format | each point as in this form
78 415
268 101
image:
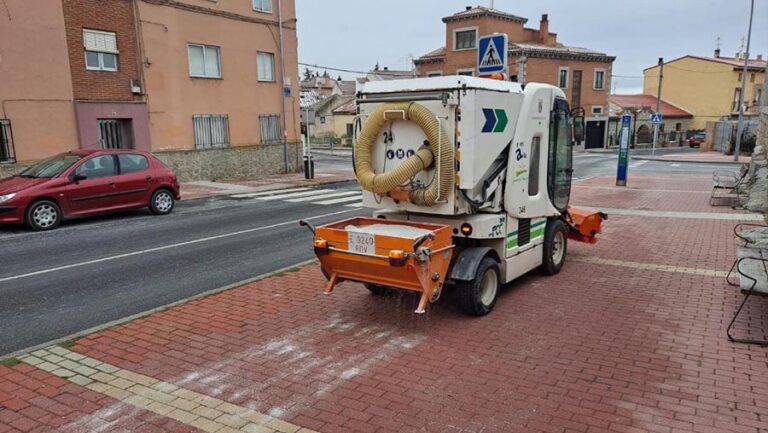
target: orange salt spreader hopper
407 255
584 224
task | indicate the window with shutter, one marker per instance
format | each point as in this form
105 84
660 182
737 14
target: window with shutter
100 50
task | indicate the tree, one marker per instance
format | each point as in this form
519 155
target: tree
308 74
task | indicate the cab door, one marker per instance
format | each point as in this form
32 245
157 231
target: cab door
560 164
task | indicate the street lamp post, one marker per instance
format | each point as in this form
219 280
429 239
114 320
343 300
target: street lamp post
740 129
658 105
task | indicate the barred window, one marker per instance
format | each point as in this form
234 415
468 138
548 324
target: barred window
7 153
270 128
211 130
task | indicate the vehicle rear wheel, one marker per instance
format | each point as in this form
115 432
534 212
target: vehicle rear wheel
555 247
43 215
478 296
162 202
377 290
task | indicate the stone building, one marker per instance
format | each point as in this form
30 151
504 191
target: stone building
672 132
535 55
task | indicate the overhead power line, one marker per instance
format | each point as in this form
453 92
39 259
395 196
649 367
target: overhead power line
352 71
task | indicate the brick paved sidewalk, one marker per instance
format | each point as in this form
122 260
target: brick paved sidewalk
630 337
195 190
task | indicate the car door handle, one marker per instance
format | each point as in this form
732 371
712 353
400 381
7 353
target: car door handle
148 178
113 185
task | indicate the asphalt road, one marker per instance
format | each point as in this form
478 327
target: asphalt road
93 271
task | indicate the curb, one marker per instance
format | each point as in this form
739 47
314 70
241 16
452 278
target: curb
690 161
152 311
268 188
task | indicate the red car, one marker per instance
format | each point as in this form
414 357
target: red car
696 139
87 182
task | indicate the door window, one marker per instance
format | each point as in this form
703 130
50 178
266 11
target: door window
560 156
100 166
132 163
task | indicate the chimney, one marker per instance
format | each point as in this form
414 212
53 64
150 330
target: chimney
469 8
759 57
717 53
386 68
544 29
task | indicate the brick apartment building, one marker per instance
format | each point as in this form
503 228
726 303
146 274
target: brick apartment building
583 74
197 82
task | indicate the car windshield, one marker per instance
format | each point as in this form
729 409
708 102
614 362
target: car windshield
51 167
700 135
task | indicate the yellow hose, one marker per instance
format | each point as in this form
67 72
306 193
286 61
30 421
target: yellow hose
440 149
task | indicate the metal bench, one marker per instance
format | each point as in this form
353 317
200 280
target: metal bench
727 185
751 266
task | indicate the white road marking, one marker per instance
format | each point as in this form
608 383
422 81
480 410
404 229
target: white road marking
324 196
638 164
356 205
341 200
674 165
272 192
297 195
166 247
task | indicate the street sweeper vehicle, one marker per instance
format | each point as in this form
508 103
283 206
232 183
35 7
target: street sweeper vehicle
470 181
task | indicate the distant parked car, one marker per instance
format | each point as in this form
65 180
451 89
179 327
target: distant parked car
696 139
85 183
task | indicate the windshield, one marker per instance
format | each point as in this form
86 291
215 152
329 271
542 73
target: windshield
51 167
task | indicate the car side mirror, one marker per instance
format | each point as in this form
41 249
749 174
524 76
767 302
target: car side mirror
578 129
77 177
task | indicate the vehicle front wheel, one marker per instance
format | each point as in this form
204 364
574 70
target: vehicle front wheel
478 296
555 247
162 202
43 215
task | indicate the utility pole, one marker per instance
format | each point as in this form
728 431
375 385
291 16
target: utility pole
658 106
282 83
740 129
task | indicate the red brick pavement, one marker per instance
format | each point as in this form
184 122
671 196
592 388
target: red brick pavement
666 193
596 348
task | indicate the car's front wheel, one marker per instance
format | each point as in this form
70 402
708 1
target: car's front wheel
162 202
43 215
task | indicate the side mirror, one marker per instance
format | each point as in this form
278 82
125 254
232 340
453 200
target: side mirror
77 177
578 129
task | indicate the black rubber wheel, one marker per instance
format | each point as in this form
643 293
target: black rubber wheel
43 215
555 247
478 297
377 290
162 202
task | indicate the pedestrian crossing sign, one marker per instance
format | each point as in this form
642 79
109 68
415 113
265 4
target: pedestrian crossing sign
657 118
492 54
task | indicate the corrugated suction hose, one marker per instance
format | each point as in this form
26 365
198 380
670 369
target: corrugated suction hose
439 149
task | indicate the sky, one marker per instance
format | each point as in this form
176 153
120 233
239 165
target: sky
356 34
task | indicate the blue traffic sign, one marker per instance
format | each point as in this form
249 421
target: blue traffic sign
492 54
657 118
